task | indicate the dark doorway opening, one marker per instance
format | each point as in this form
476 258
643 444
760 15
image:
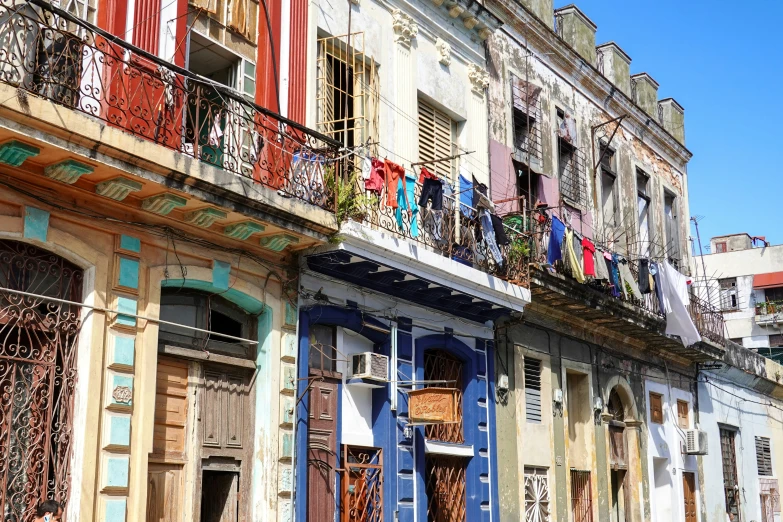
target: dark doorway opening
219 496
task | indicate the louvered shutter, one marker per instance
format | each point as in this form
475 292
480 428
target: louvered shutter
763 456
435 139
656 408
532 390
146 25
682 415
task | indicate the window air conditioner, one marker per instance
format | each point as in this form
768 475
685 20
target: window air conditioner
371 366
695 442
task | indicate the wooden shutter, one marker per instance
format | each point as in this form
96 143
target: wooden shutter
435 139
682 415
171 410
763 456
656 408
532 390
146 25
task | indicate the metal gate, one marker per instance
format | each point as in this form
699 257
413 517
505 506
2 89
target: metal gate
581 496
362 484
37 377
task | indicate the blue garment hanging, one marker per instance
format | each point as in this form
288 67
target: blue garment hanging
402 204
466 196
555 240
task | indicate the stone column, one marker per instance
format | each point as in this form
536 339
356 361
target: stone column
634 476
405 93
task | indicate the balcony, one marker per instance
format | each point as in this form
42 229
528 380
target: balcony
50 54
596 306
769 313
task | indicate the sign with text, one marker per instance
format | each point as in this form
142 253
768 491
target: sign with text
432 405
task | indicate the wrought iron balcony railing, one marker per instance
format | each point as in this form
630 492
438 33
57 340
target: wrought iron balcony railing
52 54
455 231
708 319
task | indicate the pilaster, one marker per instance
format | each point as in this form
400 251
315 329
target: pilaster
405 130
477 163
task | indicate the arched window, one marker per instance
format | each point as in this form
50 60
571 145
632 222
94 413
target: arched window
618 457
38 340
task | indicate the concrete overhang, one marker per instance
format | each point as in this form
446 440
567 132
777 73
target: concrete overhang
393 266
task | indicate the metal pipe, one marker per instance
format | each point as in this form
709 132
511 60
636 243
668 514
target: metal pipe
137 316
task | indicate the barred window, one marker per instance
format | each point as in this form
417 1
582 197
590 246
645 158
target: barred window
536 495
763 456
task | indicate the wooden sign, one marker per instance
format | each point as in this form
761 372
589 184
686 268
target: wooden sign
432 405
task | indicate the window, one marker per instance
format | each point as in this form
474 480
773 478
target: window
737 340
437 133
730 482
728 293
527 184
536 495
581 496
773 294
146 25
643 201
440 365
207 312
323 348
532 390
682 415
720 248
609 192
775 340
570 160
763 456
526 114
344 81
672 227
656 408
362 481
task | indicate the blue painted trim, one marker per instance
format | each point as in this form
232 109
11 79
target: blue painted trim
128 272
130 243
471 417
36 223
330 315
492 426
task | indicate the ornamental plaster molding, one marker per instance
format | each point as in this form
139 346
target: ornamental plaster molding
444 51
405 28
479 78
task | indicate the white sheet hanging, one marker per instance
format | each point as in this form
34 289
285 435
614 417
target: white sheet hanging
674 286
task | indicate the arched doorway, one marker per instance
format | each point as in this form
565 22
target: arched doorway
38 341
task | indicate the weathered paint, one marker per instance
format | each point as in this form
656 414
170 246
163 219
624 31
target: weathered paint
36 223
128 272
220 274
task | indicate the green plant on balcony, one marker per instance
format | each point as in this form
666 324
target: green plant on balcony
351 202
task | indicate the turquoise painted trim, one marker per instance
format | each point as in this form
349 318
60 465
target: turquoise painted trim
130 243
117 472
128 306
15 152
264 424
36 223
122 380
220 273
124 350
119 430
115 510
291 313
129 273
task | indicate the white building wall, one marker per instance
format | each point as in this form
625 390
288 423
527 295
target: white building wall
751 414
356 410
666 463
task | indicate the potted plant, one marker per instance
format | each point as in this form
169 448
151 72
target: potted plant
352 203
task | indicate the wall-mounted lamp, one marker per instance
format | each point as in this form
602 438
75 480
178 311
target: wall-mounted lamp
557 396
598 403
407 431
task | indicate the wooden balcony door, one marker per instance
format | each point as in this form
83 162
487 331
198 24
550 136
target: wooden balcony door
322 449
689 496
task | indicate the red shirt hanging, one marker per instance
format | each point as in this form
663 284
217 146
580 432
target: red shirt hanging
589 259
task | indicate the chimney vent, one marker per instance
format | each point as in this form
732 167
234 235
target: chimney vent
615 65
577 30
645 93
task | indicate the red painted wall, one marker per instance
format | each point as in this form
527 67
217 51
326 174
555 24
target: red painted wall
297 73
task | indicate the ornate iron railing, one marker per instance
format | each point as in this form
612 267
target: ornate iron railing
455 231
50 53
362 485
707 318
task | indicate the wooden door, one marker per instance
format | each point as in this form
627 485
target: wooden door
322 451
689 496
163 493
171 410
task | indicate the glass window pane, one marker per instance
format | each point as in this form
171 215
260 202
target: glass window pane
250 69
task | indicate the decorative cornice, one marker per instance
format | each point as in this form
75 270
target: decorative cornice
164 203
15 152
479 78
204 217
117 188
444 51
405 28
68 171
243 229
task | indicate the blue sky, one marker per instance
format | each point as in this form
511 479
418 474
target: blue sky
722 63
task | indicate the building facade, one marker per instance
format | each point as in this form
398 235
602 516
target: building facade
743 275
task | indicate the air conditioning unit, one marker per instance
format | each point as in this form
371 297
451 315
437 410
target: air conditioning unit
695 442
371 366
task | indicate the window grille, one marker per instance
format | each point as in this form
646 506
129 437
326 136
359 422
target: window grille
536 495
362 484
532 390
440 365
345 90
446 488
730 482
436 139
763 456
571 166
581 496
526 117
